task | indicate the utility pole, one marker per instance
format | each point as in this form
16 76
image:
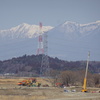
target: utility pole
84 89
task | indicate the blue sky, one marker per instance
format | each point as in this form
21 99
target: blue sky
49 12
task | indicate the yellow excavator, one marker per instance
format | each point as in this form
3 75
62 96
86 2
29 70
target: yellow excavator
84 89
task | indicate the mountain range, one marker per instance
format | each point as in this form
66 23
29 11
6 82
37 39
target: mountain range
68 41
22 31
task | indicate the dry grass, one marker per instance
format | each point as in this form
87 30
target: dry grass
10 91
21 97
16 80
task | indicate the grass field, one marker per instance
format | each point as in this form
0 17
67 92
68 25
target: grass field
9 90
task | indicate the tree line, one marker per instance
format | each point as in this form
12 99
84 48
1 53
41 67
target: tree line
32 63
66 72
75 78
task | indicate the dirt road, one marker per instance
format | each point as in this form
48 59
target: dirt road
75 97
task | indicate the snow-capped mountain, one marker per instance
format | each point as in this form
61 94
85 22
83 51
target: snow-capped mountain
72 41
69 41
23 31
75 30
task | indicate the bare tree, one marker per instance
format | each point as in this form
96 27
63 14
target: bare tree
68 77
96 78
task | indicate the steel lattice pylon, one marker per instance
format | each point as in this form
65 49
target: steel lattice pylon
40 49
44 70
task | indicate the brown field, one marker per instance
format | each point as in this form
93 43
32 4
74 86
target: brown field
9 90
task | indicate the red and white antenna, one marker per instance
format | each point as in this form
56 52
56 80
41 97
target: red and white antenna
40 49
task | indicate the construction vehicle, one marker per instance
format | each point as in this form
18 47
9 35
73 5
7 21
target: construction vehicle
30 82
58 84
37 84
23 83
27 82
84 89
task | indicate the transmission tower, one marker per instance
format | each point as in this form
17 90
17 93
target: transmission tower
40 49
44 70
43 50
